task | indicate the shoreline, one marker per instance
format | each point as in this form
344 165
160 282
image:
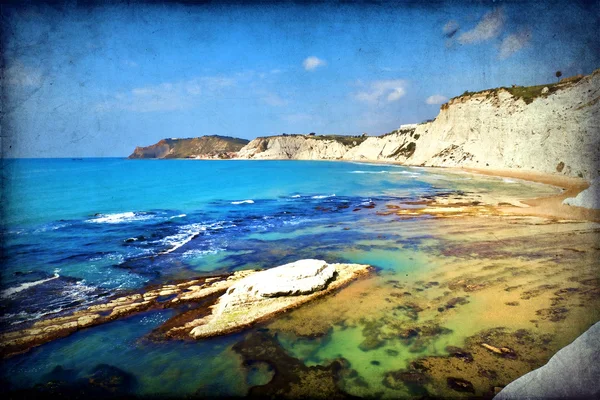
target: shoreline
548 206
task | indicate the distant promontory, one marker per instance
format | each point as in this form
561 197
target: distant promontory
221 147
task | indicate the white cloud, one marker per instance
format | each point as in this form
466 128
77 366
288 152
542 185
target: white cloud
488 27
513 43
22 75
167 96
436 99
311 63
391 90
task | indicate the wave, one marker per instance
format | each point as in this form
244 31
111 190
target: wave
71 297
413 174
199 253
296 196
24 316
323 196
118 218
243 202
177 240
507 180
50 227
11 291
115 258
178 216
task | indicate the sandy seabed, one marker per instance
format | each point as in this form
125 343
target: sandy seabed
497 288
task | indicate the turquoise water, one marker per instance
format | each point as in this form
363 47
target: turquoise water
78 231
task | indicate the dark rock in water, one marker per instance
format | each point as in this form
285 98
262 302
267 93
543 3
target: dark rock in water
106 381
409 333
292 378
371 343
411 310
460 385
418 366
456 301
60 374
375 362
392 352
112 379
553 314
487 373
459 353
413 380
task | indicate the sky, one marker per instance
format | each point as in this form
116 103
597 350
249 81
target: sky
98 80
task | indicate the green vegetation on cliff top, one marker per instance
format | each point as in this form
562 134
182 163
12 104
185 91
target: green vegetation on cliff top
527 93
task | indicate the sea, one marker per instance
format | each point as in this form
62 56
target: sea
78 231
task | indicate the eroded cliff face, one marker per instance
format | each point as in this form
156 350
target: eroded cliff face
297 147
201 147
553 130
556 132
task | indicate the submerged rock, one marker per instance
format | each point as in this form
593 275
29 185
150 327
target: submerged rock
460 385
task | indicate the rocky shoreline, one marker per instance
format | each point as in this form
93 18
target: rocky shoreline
207 297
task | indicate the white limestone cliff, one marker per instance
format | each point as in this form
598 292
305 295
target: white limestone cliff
557 132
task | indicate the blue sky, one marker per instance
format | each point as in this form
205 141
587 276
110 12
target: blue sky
83 81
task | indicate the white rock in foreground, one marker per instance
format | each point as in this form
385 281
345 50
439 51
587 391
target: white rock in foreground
572 373
264 294
589 198
300 277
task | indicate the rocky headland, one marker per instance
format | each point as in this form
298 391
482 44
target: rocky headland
205 147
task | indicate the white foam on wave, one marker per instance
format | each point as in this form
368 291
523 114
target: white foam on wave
50 227
323 196
177 240
24 316
178 216
118 218
75 292
412 174
243 202
199 253
112 257
296 196
11 291
507 180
